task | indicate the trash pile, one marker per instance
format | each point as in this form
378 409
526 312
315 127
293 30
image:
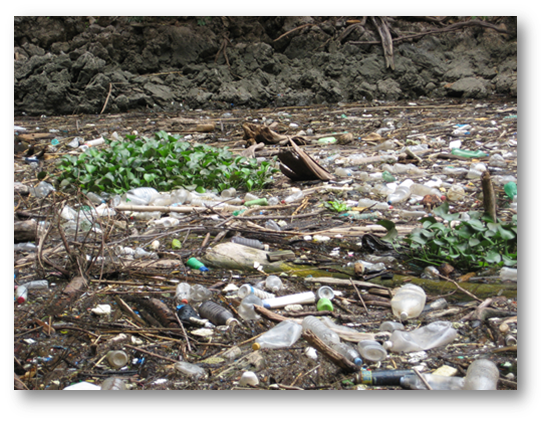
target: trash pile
305 283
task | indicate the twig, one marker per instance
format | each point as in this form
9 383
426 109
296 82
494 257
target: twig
151 354
292 30
422 378
184 332
460 288
107 99
358 294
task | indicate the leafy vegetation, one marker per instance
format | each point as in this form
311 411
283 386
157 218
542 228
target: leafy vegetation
466 243
337 206
163 163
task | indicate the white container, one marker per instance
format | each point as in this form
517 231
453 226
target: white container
482 374
408 302
248 378
283 335
247 289
117 358
297 298
317 327
436 334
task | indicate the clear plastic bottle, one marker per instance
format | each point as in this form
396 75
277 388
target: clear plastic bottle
435 334
273 283
296 298
375 205
437 382
117 358
199 293
21 294
142 253
247 289
216 314
190 369
422 190
183 292
401 194
455 193
283 335
297 196
246 309
94 198
25 247
317 327
408 302
140 196
325 292
349 352
391 326
482 374
508 274
113 383
272 225
252 243
455 171
371 350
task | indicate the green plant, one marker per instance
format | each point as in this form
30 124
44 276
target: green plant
337 206
203 21
476 242
164 163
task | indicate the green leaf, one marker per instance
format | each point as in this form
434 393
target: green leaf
392 232
176 244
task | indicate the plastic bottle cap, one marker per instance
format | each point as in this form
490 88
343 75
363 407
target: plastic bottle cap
358 361
387 344
403 316
256 346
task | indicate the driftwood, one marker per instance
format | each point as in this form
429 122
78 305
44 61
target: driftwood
24 231
255 134
299 166
329 353
69 295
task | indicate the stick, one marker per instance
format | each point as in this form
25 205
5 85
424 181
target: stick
422 378
292 30
184 333
151 354
107 98
460 288
359 294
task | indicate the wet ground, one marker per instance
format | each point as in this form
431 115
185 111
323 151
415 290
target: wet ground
60 341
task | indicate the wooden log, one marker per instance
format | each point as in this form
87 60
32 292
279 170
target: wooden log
490 207
329 353
24 231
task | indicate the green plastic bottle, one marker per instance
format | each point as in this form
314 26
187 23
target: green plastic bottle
388 177
468 154
511 190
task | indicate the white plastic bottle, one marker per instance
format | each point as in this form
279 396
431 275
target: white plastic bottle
283 335
408 302
247 289
317 327
191 370
435 334
401 194
422 190
482 374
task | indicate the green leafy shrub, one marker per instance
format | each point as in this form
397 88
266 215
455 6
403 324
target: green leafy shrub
476 242
163 163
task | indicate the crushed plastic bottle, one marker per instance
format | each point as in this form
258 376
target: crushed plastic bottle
510 274
408 301
191 370
183 292
437 382
323 332
455 193
199 293
401 194
246 309
468 154
435 334
142 253
281 336
113 383
273 283
482 374
295 197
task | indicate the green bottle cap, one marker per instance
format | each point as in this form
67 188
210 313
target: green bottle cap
324 304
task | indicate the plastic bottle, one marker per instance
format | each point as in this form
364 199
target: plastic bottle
317 327
200 293
228 193
455 171
142 253
21 294
371 350
191 370
247 289
216 314
196 264
435 334
349 352
408 301
25 247
508 274
36 284
455 193
412 214
297 196
273 283
297 298
246 309
272 225
401 194
511 190
386 377
113 383
140 196
117 358
183 292
187 313
468 154
375 205
482 374
283 335
437 382
94 198
391 326
422 190
343 172
252 243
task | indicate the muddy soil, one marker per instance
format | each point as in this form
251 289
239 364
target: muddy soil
86 65
60 341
